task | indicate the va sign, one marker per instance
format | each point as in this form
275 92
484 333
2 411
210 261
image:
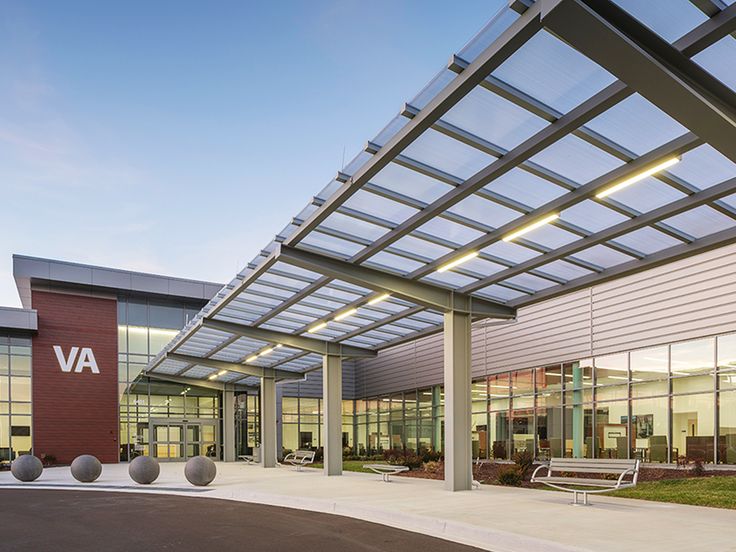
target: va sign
85 359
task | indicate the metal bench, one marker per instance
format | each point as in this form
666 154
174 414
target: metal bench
559 475
300 458
386 470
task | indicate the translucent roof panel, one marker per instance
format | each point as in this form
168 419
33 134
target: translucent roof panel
524 187
554 73
576 160
494 119
720 61
703 167
441 152
410 183
636 125
701 221
490 212
647 240
592 216
670 19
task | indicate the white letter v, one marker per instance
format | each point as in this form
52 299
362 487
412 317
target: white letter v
66 364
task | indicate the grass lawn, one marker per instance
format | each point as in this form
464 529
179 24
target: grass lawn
717 492
350 465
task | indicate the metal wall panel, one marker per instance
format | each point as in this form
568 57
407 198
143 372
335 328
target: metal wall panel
684 300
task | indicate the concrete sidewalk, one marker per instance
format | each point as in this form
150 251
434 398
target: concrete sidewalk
493 518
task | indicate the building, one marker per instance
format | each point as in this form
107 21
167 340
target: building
537 254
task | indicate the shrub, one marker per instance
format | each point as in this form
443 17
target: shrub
524 460
433 467
430 455
48 460
510 476
403 458
697 468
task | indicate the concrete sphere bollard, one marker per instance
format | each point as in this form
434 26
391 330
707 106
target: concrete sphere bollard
144 470
86 468
200 471
26 468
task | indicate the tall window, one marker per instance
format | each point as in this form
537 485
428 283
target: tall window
15 397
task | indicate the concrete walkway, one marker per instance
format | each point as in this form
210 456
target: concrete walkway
493 518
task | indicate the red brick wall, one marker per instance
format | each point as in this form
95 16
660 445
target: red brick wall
75 413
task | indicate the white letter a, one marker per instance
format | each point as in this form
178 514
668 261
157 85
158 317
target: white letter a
87 360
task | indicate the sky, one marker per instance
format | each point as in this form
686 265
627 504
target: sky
178 137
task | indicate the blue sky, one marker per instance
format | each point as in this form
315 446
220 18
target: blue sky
179 137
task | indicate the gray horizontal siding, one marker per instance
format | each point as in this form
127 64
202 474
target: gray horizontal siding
685 300
312 385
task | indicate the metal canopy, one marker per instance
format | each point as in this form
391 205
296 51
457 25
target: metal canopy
499 185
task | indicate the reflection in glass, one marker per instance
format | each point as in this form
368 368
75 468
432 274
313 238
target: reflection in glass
692 427
727 428
649 426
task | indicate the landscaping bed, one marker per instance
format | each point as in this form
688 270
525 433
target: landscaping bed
690 484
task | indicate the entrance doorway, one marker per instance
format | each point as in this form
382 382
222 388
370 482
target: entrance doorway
176 440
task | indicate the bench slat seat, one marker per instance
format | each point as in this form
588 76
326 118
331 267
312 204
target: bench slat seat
580 481
564 473
300 458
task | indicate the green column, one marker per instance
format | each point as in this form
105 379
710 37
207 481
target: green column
577 411
436 424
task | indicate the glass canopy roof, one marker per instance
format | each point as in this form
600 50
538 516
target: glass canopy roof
523 154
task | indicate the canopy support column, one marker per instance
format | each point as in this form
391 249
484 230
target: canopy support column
332 404
458 455
228 426
268 423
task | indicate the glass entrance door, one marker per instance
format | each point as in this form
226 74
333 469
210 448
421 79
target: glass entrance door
179 440
168 441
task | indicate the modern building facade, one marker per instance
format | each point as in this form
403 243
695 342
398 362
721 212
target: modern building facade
647 366
537 254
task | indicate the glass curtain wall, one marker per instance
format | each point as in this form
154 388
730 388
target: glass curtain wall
144 328
302 424
15 397
662 404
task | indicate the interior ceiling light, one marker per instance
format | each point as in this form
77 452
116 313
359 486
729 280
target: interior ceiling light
345 314
317 327
379 298
530 227
637 177
458 261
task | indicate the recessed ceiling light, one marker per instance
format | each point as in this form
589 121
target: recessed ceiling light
379 298
345 314
637 177
458 261
530 227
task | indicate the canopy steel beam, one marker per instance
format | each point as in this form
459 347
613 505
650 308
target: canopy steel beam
671 209
421 293
221 386
665 256
312 345
245 369
648 64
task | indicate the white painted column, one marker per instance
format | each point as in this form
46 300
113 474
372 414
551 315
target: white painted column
268 423
228 426
458 446
332 406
